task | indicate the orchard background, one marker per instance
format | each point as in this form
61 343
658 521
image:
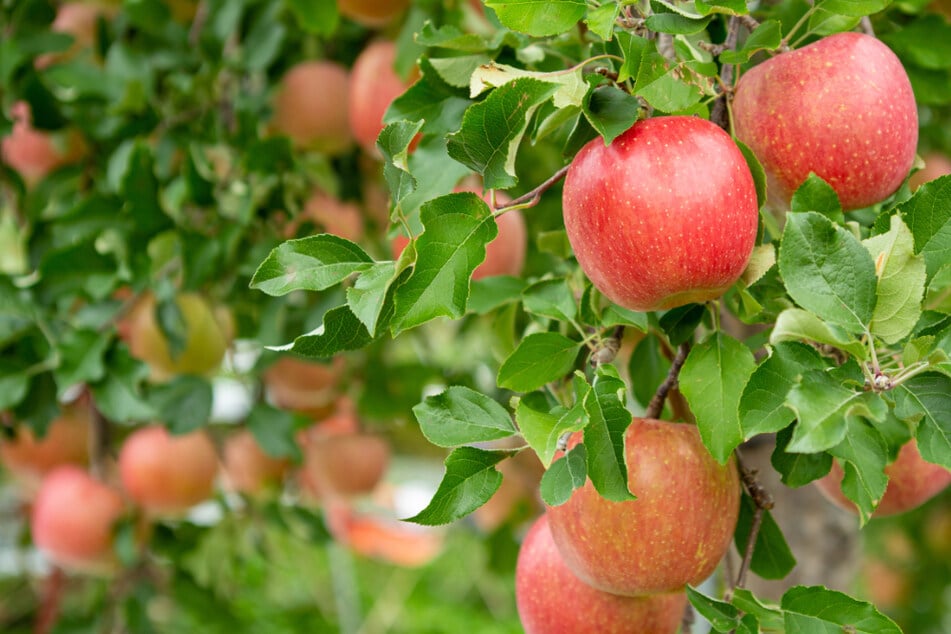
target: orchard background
172 174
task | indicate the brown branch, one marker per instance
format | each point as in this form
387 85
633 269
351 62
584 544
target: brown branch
99 437
718 113
656 406
686 624
531 198
764 502
48 612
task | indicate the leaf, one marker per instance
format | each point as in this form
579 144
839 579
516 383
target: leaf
798 469
762 407
611 111
542 427
601 20
470 480
865 454
493 129
456 229
614 315
680 323
550 298
901 282
663 87
571 87
712 380
757 171
316 16
119 394
769 616
772 558
928 215
369 297
925 41
393 143
632 48
795 324
817 195
460 415
761 261
183 404
723 617
430 100
564 476
647 368
667 18
539 358
827 271
768 35
489 293
926 398
604 436
82 360
532 17
817 609
728 7
314 263
340 331
275 431
823 406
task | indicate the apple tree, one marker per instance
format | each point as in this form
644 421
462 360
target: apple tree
267 266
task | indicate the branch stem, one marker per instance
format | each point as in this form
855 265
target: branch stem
656 406
530 199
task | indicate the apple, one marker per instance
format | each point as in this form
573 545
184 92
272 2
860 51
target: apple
72 520
304 387
374 85
342 465
664 216
377 536
505 255
372 13
79 19
842 108
936 165
551 600
911 482
246 468
674 533
66 441
34 153
311 106
331 215
167 475
207 337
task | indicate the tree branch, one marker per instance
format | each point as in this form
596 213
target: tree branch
764 502
718 113
656 406
48 612
530 199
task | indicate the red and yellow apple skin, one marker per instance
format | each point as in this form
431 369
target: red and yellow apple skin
311 106
73 518
842 108
675 532
342 465
34 153
551 600
372 13
246 468
664 216
374 85
307 388
167 475
911 482
377 536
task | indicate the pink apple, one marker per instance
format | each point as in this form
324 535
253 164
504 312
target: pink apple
551 600
35 153
936 165
374 85
311 106
664 216
372 13
674 533
842 108
247 468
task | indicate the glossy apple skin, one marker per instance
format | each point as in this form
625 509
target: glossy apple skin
311 106
29 459
664 216
936 166
246 468
167 475
73 518
374 85
674 533
842 107
372 13
911 482
551 600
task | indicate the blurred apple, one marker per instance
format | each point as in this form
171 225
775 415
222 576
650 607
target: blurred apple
80 20
247 468
384 538
34 153
374 85
330 215
936 165
372 13
311 106
342 465
307 388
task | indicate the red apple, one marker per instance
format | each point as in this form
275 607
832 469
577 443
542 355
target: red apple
308 388
377 536
73 518
80 20
311 106
842 108
664 216
911 483
33 153
167 475
936 165
551 600
374 85
674 533
372 13
342 464
246 468
330 215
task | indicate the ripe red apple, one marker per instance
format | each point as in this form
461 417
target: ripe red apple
936 165
342 465
207 337
34 153
664 216
304 387
551 600
674 533
73 518
246 468
372 13
841 107
167 475
374 85
330 215
377 536
911 482
29 458
311 106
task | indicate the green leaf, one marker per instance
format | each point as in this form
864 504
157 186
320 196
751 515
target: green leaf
539 358
901 282
769 617
600 21
611 111
493 129
542 427
817 195
680 323
817 609
667 18
614 315
119 394
762 408
795 324
855 8
723 617
340 331
460 415
865 454
470 480
571 86
712 380
663 87
632 49
489 293
728 7
757 171
798 469
926 398
82 360
768 35
183 404
551 17
827 271
823 406
316 16
761 261
564 476
823 22
928 215
647 368
370 296
275 431
314 263
456 229
604 436
393 144
772 558
925 41
430 100
551 298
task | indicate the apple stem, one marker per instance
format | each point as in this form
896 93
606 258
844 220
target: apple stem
656 405
530 199
866 26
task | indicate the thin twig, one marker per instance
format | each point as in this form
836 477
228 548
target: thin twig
764 502
866 26
656 406
48 613
99 437
531 198
719 112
